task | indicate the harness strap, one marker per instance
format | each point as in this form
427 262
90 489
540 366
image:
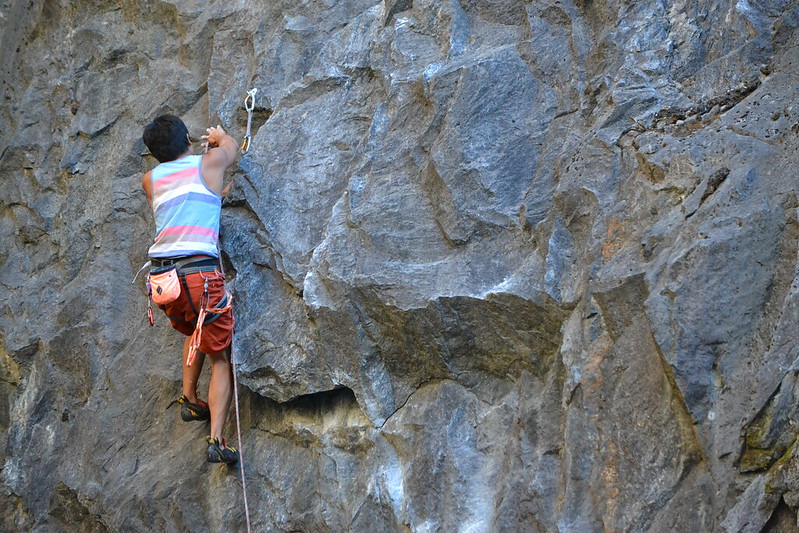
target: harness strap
195 269
182 262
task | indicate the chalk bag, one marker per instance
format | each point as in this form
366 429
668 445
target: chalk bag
165 285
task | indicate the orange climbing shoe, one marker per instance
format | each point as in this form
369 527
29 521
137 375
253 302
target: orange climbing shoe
221 453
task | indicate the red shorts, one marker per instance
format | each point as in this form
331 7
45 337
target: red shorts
217 332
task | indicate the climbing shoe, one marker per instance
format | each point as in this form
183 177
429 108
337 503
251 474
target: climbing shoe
221 453
192 411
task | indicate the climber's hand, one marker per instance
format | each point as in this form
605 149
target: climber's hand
213 136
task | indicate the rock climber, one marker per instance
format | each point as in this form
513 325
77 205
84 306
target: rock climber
185 192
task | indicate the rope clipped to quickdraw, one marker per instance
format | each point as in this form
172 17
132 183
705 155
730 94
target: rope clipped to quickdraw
249 105
196 337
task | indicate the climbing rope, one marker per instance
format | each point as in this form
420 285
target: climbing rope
234 368
249 105
234 363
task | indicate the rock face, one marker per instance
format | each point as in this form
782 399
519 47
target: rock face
498 265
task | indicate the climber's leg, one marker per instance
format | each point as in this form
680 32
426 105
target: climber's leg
191 374
220 395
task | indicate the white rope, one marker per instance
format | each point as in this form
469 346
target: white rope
249 105
238 433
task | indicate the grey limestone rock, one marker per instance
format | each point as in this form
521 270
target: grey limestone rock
498 265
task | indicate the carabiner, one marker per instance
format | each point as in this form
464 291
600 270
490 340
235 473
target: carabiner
249 101
249 105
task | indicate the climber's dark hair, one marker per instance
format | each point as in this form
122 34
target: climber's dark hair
166 137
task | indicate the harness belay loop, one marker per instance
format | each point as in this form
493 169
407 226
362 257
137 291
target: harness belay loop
196 337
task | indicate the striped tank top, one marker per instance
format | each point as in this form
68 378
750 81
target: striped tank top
186 211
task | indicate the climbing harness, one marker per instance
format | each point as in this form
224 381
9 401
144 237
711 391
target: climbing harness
249 105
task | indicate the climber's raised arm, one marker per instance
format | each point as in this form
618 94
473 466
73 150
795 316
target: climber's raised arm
221 155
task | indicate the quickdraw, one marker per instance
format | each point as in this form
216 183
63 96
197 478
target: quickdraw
249 105
196 337
150 317
149 287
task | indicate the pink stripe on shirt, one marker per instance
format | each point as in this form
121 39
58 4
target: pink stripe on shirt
187 230
181 174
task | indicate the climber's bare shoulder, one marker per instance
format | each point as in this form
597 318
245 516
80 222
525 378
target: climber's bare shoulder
147 185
